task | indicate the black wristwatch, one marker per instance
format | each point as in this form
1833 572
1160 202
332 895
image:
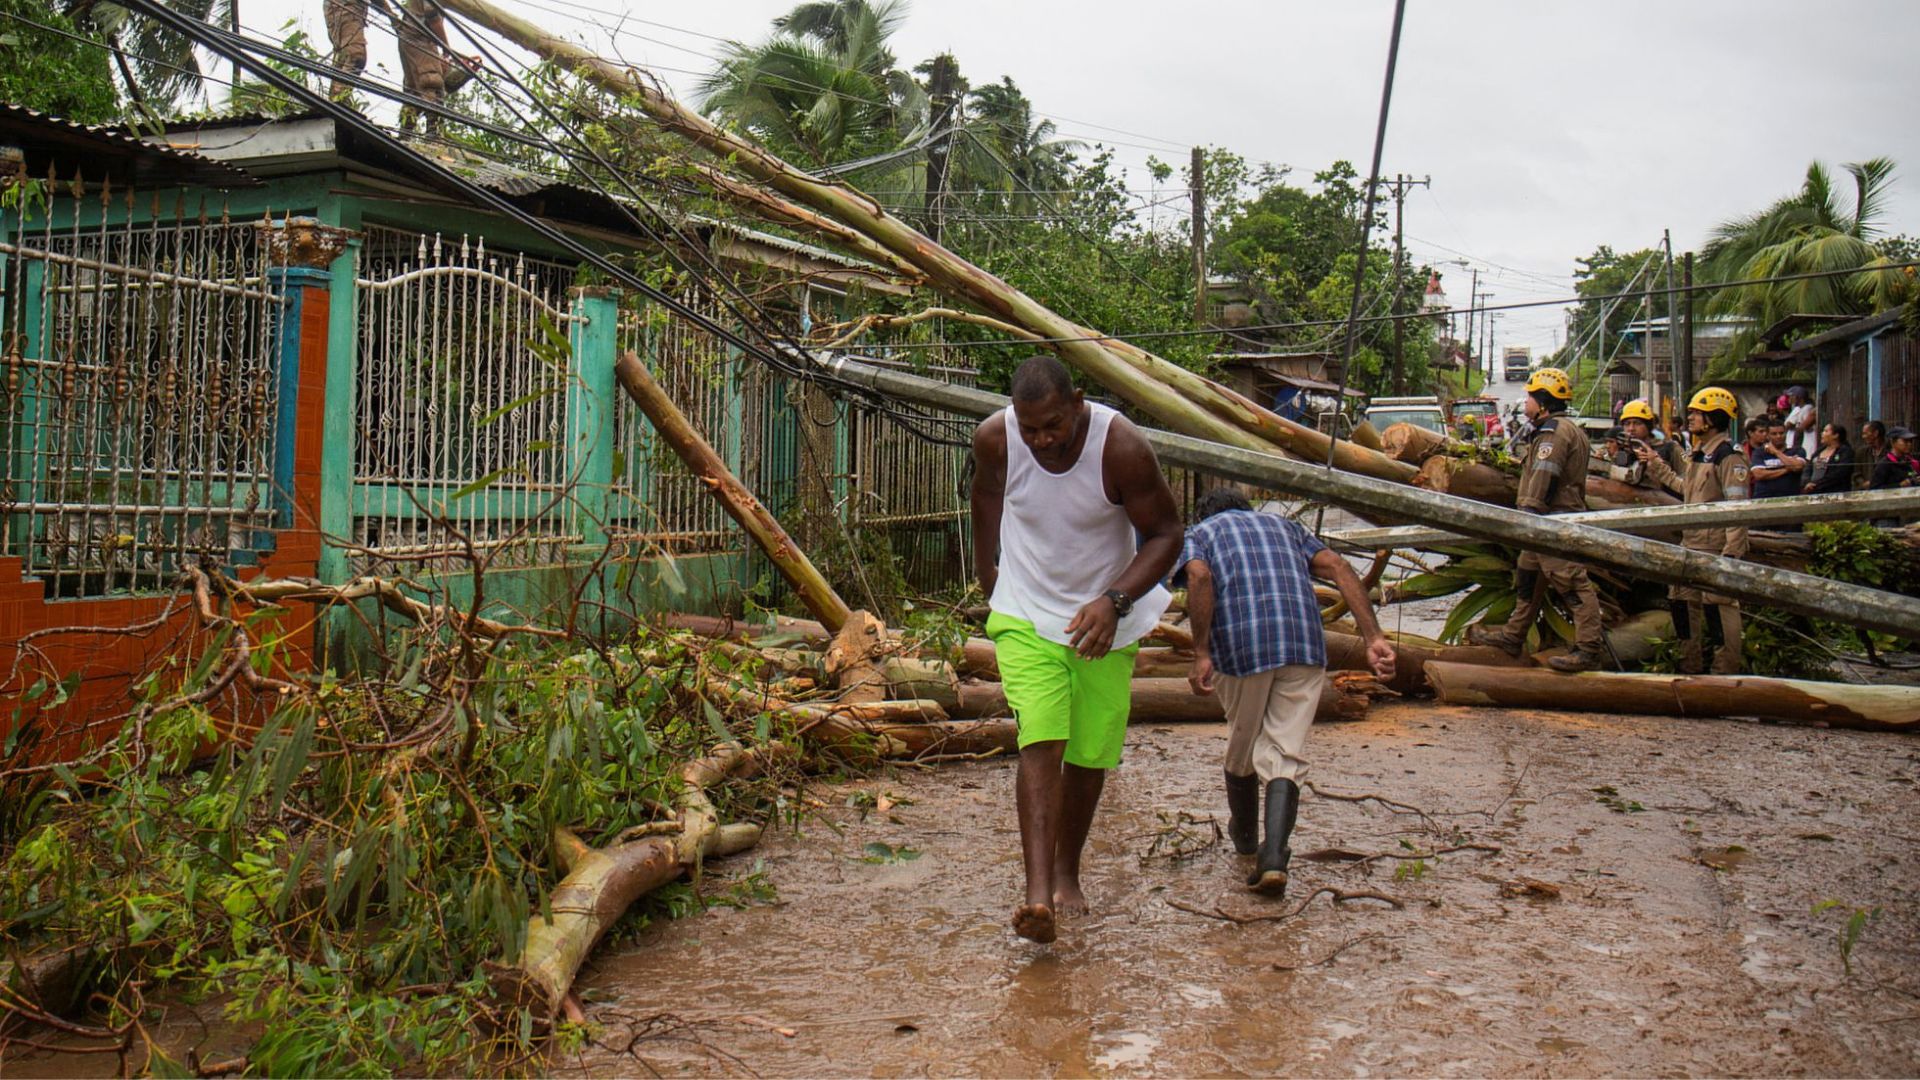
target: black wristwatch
1122 603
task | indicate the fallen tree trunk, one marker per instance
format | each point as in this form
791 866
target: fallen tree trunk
1484 483
1803 594
917 740
1172 700
1347 652
601 883
1412 443
1841 705
1856 506
679 433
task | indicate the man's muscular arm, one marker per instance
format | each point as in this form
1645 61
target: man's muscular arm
988 498
1135 482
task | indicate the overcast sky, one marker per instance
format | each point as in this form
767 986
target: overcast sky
1547 127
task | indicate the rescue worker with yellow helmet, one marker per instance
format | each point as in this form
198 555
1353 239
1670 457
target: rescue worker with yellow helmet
1641 425
1553 480
1716 471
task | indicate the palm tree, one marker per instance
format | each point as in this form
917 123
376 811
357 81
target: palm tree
824 88
160 67
1011 151
1817 229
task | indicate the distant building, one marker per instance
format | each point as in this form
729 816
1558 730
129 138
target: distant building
1862 369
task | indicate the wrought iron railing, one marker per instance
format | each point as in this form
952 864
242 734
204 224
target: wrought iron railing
461 403
139 384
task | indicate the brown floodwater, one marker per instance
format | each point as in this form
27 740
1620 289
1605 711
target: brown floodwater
1664 924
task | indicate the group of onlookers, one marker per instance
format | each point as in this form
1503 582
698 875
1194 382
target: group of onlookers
1789 451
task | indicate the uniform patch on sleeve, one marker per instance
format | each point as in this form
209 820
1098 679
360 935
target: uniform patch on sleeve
1740 474
1546 451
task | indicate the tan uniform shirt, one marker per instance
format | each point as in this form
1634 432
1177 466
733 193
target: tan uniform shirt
1553 475
1716 472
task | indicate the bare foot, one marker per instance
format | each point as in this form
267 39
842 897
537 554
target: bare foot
1034 922
1067 897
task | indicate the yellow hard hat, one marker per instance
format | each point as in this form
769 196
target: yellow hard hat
1553 381
1714 399
1637 409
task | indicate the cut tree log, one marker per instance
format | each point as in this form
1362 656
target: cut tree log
601 883
707 466
1364 434
1348 652
854 659
1484 483
1412 443
918 740
1841 705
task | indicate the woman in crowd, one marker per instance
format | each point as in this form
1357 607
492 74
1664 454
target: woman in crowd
1873 447
1898 469
1831 467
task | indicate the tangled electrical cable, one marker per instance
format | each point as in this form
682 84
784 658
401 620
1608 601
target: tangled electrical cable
784 356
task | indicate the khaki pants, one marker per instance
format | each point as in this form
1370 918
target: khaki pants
1268 714
1569 579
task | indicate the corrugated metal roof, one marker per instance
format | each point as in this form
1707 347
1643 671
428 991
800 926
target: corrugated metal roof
54 141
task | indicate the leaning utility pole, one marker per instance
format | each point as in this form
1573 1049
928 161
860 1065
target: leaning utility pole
1486 328
1197 189
943 91
1400 183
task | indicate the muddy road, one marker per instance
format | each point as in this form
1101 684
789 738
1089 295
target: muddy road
1673 928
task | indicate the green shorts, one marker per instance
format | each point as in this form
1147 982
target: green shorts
1057 696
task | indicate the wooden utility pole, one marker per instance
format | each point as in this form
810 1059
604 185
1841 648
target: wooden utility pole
1400 183
1473 302
943 89
1197 189
1673 326
1683 361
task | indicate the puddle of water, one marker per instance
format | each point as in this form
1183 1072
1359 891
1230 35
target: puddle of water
1132 1048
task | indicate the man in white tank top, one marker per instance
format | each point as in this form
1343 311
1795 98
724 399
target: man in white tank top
1073 530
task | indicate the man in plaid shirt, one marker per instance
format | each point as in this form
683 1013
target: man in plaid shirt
1257 638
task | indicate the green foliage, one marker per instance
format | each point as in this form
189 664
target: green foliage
342 879
44 69
1857 921
1820 228
1609 796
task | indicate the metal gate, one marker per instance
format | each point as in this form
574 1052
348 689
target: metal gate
461 404
140 385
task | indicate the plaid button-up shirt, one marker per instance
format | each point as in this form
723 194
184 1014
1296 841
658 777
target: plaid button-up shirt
1264 612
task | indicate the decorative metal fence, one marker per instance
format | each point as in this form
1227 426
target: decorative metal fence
912 489
461 403
657 504
140 346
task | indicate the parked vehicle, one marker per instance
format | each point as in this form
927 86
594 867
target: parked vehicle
1516 362
1474 418
1420 411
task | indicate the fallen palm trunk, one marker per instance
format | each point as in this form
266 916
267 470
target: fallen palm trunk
601 883
1841 705
678 432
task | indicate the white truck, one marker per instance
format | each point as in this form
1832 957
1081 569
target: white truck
1516 362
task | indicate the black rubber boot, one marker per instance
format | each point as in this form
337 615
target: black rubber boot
1243 813
1269 877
